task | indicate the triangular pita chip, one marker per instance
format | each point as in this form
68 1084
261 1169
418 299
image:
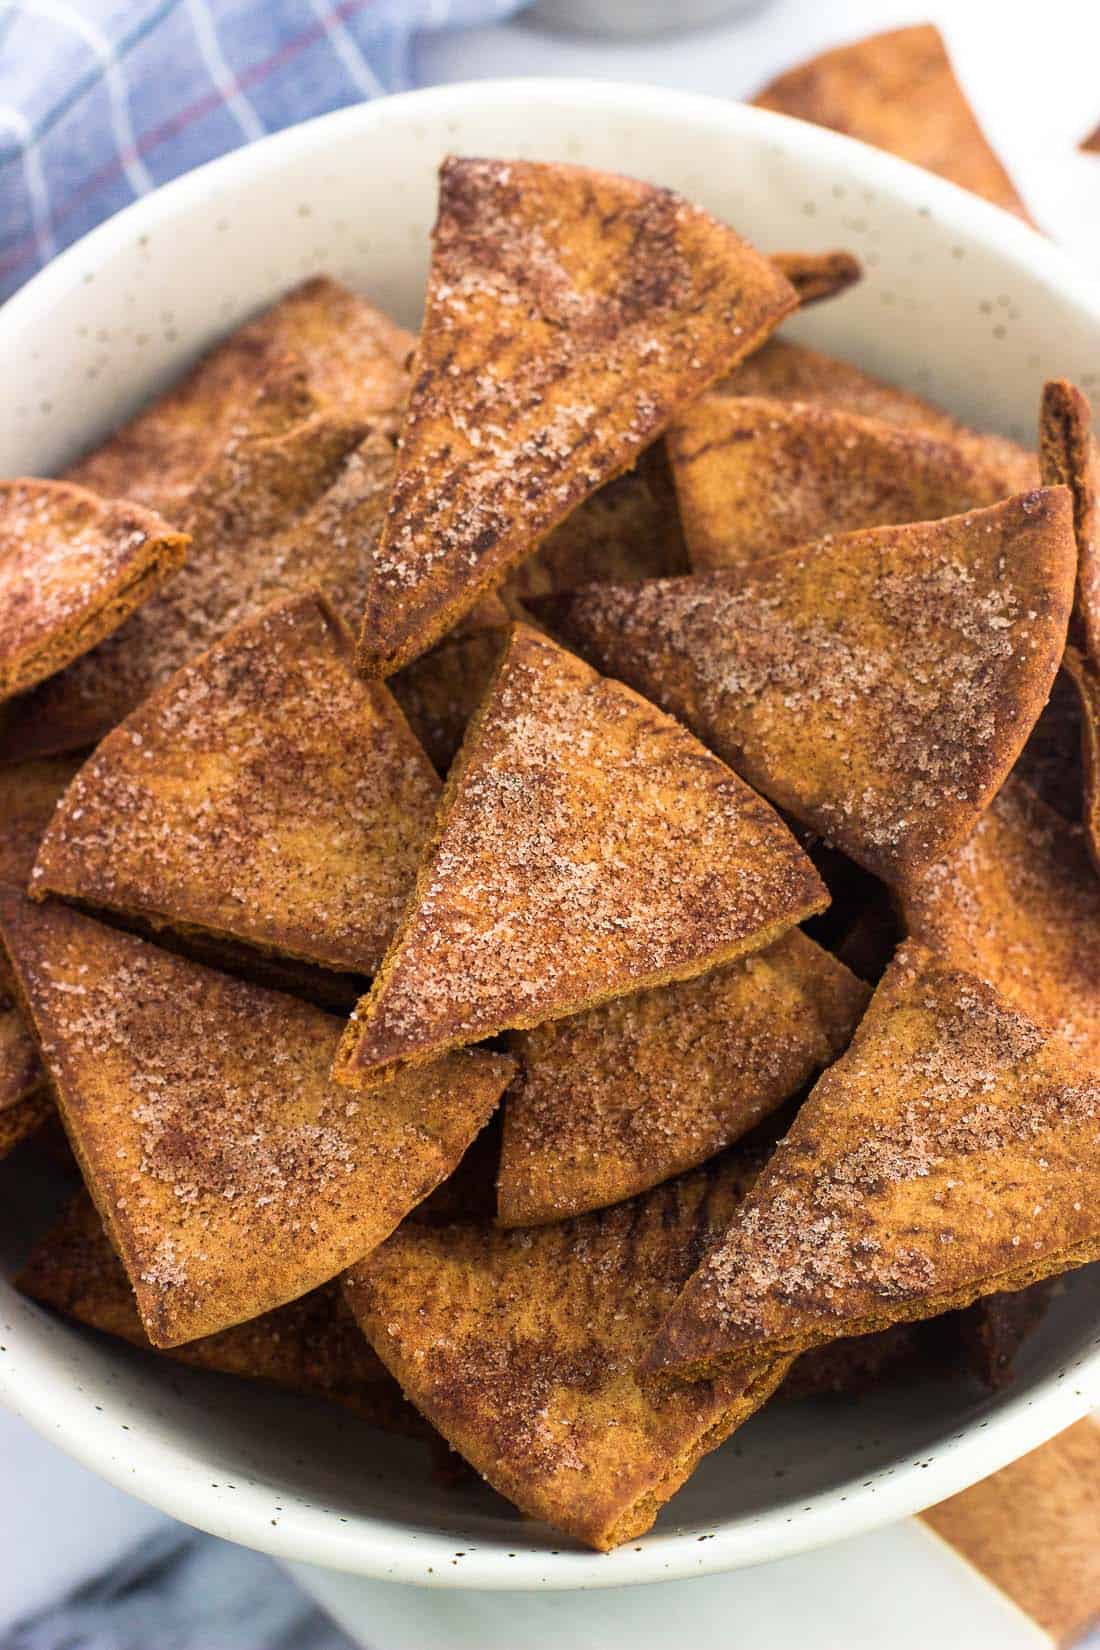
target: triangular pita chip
354 357
73 567
265 793
611 1102
877 685
818 275
312 1345
949 1154
522 1349
230 1172
754 476
786 371
1070 457
570 314
586 846
28 795
1019 904
293 503
898 92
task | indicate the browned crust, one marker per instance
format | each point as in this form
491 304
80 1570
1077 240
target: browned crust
948 1155
562 769
521 1347
231 1175
755 475
898 92
265 794
877 685
73 567
570 313
614 1101
1069 457
818 275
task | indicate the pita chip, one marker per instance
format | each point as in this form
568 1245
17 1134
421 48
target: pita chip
993 1330
898 91
786 371
1069 457
1019 904
818 275
521 1348
231 1174
570 314
878 686
1086 679
1091 144
755 476
312 1345
949 1154
293 503
265 793
611 1102
586 846
354 358
73 567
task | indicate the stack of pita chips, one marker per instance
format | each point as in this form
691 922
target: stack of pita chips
703 629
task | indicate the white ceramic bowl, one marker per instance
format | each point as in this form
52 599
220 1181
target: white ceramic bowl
962 303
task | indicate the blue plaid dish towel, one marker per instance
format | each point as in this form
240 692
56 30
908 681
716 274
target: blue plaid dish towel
102 100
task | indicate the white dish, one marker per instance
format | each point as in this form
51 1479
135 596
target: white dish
961 303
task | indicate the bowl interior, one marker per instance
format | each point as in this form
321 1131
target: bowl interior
960 303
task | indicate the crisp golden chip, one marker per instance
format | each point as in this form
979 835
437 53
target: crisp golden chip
898 92
611 1102
1069 457
230 1172
755 476
355 360
312 1345
949 1154
292 504
786 371
1019 904
73 567
1086 679
570 314
266 793
877 685
586 846
818 275
522 1349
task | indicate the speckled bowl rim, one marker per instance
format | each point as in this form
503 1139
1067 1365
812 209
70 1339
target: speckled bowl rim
388 1548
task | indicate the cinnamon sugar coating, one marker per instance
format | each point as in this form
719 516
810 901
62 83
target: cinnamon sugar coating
73 567
232 1175
292 503
878 685
586 846
898 92
611 1102
755 476
312 1345
354 357
522 1349
1019 904
949 1154
569 314
265 793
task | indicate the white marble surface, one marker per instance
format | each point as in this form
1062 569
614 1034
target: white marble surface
1032 72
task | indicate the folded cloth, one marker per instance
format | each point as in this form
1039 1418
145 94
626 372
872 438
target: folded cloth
102 100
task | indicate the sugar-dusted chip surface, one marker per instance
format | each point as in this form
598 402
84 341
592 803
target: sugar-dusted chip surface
231 1173
949 1154
586 846
878 685
265 793
569 314
522 1349
629 1094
